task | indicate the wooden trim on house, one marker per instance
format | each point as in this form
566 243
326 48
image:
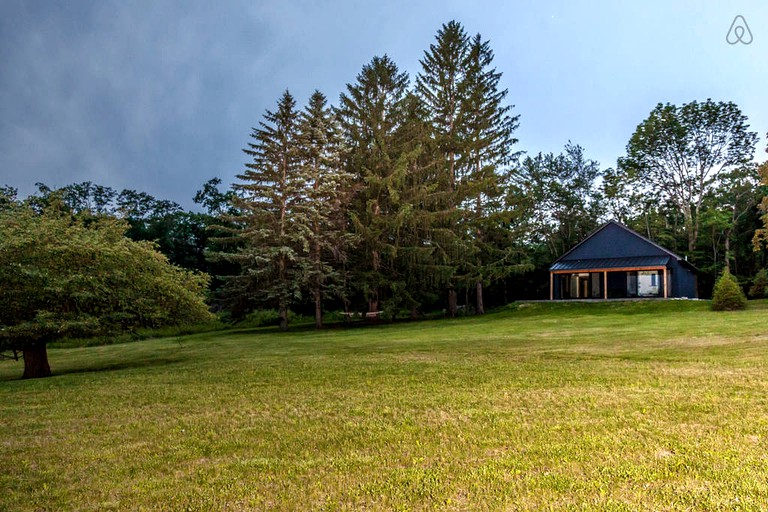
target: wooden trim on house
551 286
618 269
605 271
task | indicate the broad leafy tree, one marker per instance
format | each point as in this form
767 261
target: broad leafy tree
215 201
90 197
761 234
563 198
8 197
724 210
179 234
678 154
68 275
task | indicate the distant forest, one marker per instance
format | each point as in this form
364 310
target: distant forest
411 196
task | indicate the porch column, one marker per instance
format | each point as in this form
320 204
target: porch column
551 286
605 284
666 292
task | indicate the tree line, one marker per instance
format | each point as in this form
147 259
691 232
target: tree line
412 196
409 195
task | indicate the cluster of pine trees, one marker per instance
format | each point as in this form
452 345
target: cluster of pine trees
410 196
398 198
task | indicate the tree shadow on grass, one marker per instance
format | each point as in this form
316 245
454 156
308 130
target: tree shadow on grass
106 366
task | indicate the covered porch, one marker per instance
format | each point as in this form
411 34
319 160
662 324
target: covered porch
614 278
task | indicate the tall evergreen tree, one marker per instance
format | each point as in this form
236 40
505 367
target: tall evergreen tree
423 265
439 85
370 113
474 137
327 193
272 224
486 129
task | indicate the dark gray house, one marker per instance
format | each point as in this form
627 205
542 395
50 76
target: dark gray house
616 262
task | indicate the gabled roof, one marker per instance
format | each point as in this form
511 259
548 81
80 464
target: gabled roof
651 249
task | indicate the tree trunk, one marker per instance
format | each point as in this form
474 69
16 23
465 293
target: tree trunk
453 169
728 250
373 298
36 361
479 309
373 303
692 237
283 314
647 227
452 300
373 307
318 308
316 253
692 229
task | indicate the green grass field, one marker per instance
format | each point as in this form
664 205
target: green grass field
612 406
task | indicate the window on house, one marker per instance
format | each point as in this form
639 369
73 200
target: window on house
648 283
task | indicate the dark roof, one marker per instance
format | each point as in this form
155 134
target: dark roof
639 261
613 249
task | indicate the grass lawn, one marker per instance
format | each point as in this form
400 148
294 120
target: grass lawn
611 406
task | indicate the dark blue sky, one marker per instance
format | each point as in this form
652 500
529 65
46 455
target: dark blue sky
161 96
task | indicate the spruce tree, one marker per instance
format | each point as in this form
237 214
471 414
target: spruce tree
728 295
474 135
759 288
327 191
423 265
272 224
439 85
370 113
486 129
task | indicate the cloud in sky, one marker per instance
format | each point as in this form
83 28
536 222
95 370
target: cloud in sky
117 94
161 96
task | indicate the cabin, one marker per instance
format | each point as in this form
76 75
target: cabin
614 262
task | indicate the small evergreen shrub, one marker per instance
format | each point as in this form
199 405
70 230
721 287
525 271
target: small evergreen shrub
727 295
759 287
